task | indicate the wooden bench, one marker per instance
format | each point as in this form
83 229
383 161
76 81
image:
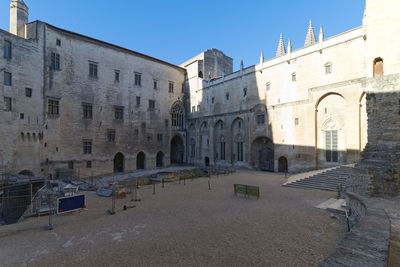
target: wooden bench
246 190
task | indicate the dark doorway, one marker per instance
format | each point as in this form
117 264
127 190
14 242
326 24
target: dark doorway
207 161
177 150
140 161
262 153
282 164
160 160
26 173
119 162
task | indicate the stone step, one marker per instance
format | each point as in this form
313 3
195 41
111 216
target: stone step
312 187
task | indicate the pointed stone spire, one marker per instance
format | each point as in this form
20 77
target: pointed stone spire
262 57
321 34
310 38
281 51
289 47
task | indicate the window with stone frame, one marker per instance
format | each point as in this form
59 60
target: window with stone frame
177 115
89 164
328 68
138 101
93 69
53 107
294 77
159 138
87 146
111 135
7 106
7 50
7 78
155 84
28 92
138 79
119 113
152 104
55 61
296 121
58 42
331 146
244 92
260 119
170 87
116 75
87 110
268 86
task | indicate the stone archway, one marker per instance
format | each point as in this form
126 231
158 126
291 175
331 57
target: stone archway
140 161
262 154
119 162
160 159
177 150
283 164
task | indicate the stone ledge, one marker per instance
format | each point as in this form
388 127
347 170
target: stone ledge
368 242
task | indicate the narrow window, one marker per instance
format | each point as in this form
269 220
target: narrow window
239 150
21 116
155 85
7 104
200 74
260 119
58 42
166 123
93 70
55 61
268 86
294 78
331 146
119 113
138 101
88 164
212 100
70 165
244 92
170 87
116 76
87 146
111 135
227 96
7 49
222 150
152 104
159 138
87 110
378 67
328 68
53 107
296 121
193 108
7 78
198 108
28 92
138 79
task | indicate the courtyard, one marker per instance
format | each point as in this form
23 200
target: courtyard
184 225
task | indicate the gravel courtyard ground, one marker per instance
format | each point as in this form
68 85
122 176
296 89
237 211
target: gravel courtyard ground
184 226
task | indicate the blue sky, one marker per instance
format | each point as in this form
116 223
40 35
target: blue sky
177 30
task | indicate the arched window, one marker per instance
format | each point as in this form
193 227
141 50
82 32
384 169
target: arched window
177 115
222 147
378 67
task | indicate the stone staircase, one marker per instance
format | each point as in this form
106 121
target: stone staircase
327 180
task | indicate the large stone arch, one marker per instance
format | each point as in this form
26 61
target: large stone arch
262 154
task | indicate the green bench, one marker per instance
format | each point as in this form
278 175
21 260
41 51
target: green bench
246 190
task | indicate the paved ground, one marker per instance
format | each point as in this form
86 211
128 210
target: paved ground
184 226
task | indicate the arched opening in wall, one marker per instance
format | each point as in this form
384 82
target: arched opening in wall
27 173
200 74
206 161
238 144
141 161
177 114
219 141
119 162
177 150
378 67
283 164
262 154
160 160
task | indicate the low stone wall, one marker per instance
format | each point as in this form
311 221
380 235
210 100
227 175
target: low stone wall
367 244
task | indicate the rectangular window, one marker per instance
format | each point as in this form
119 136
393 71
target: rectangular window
159 138
87 146
7 104
239 151
193 108
87 111
138 79
212 100
328 69
260 119
111 135
155 85
227 96
7 78
93 69
192 150
331 146
294 78
53 107
7 49
222 150
116 76
171 87
70 165
88 164
58 42
152 104
119 113
166 123
28 92
138 101
296 121
55 61
268 86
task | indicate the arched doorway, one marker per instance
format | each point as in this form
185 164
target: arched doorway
140 161
282 164
160 160
177 150
262 154
207 161
119 162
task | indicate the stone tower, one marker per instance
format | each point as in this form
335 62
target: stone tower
19 13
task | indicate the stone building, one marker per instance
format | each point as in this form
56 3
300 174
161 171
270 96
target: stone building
75 104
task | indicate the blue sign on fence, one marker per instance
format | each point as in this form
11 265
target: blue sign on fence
68 204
